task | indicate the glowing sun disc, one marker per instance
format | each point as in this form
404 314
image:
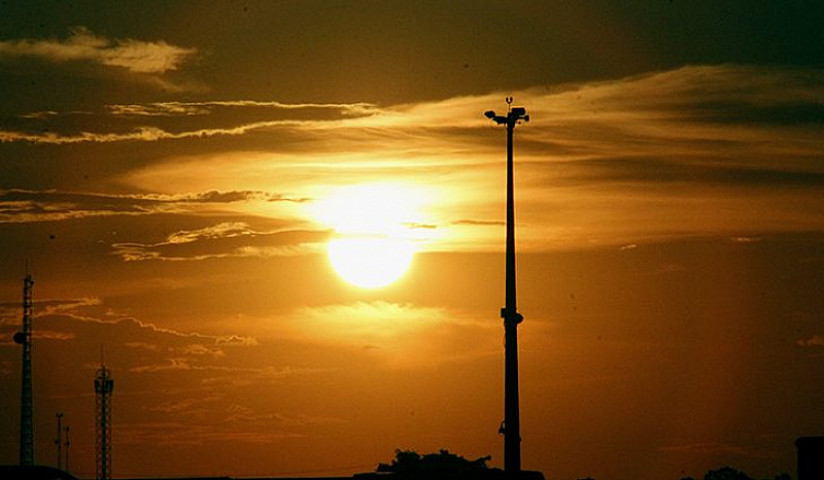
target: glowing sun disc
370 262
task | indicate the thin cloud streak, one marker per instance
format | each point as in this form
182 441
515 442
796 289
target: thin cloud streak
391 332
90 310
149 122
23 206
83 45
173 109
223 240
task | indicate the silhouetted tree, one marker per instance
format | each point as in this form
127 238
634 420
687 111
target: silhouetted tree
726 473
409 461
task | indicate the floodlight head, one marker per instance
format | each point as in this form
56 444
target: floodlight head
519 111
526 118
489 114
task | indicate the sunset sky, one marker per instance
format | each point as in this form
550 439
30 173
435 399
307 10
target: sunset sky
176 174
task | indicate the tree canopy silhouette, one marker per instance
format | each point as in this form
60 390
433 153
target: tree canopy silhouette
726 473
729 473
409 461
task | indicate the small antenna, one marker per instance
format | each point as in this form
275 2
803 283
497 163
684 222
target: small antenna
509 101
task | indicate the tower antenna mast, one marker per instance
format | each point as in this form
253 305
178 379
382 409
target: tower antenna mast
24 338
103 386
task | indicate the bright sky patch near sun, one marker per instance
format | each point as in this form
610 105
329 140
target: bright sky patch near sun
202 187
376 230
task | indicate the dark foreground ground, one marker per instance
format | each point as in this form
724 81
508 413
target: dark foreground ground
15 472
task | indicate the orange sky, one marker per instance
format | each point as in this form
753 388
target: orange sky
174 174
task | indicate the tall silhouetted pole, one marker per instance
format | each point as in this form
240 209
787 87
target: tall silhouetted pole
26 405
59 440
68 444
103 386
511 427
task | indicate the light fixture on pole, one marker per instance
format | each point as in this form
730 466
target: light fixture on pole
510 428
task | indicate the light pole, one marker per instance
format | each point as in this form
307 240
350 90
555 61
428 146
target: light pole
511 428
59 441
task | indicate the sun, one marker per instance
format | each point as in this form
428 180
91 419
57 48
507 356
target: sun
370 262
374 242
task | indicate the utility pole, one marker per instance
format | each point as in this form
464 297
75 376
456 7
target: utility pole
24 338
67 444
511 427
59 441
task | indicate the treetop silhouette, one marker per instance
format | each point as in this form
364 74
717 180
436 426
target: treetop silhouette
409 461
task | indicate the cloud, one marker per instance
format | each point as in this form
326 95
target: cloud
813 341
720 450
175 109
606 163
83 45
223 240
179 434
240 414
150 122
144 133
52 335
91 310
402 335
482 223
142 345
23 206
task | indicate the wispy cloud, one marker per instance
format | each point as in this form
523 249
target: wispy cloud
150 122
721 450
599 164
144 133
402 335
177 434
91 310
223 240
813 341
22 206
175 109
138 56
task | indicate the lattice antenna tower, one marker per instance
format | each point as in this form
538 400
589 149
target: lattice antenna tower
24 338
103 386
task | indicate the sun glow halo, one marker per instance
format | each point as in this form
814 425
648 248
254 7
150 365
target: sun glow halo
374 227
370 262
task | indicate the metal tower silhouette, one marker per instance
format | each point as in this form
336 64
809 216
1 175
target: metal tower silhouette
24 338
511 426
103 386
